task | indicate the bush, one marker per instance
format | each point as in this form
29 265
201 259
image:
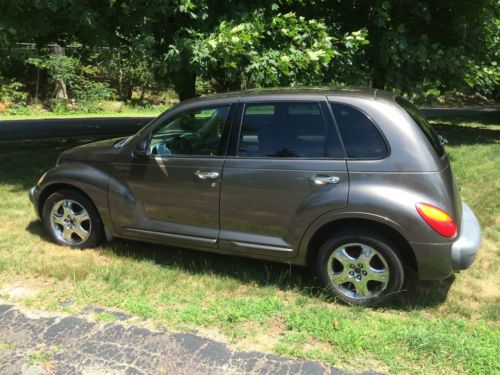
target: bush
59 106
13 93
86 91
12 98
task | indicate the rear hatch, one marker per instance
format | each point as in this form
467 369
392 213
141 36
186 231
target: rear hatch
454 204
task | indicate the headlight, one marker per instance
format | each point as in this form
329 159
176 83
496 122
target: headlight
40 181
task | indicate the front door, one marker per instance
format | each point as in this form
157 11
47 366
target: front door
288 170
173 193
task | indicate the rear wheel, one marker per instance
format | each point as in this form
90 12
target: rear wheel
71 220
360 267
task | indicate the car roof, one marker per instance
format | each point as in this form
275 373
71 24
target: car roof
368 93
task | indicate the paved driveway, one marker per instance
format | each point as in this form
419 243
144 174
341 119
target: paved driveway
118 126
44 344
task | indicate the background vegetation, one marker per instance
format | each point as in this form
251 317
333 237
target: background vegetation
91 56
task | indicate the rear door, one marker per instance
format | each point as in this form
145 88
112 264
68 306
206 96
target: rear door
287 168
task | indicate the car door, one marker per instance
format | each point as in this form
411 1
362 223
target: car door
172 194
287 168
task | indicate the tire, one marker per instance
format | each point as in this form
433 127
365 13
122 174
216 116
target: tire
360 267
72 220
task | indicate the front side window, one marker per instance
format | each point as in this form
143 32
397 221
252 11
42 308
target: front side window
361 138
195 132
289 130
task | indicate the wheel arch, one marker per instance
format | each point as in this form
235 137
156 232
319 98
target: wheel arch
329 228
52 188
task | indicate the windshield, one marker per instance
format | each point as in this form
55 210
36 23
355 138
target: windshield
423 124
128 140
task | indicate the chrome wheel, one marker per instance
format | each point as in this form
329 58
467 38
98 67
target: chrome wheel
358 271
70 222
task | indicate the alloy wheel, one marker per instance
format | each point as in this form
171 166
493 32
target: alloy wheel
358 271
70 222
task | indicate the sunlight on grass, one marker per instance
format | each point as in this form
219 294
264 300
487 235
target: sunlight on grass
437 327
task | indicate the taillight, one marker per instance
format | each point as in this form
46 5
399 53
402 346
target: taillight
437 219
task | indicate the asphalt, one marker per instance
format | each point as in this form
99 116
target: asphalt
35 344
70 127
11 130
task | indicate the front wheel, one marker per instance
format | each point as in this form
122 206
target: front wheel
360 267
71 220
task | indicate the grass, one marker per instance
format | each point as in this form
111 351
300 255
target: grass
443 327
42 356
128 113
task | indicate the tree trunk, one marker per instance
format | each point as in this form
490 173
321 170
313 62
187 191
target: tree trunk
130 91
120 84
143 91
378 78
60 91
185 86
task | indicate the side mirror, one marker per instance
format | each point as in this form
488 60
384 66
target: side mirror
141 148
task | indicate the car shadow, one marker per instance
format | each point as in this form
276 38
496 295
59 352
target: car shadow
282 276
418 294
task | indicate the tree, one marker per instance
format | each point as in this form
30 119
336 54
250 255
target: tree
279 50
413 42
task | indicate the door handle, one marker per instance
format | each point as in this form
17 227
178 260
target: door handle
206 175
322 180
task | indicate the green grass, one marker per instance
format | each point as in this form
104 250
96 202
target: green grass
42 355
128 113
443 327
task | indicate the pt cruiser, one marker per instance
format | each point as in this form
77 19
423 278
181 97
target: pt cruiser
353 182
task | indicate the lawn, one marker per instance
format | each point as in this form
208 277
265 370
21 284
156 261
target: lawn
47 115
434 327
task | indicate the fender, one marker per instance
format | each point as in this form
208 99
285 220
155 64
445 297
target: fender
91 178
335 215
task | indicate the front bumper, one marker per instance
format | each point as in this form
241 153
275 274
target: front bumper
33 193
465 247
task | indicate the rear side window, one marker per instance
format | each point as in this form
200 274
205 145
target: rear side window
362 139
423 124
289 130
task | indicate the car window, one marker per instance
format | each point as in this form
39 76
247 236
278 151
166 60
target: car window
195 133
290 130
361 137
423 124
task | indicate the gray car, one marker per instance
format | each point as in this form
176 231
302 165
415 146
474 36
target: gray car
353 182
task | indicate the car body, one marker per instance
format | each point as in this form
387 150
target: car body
274 174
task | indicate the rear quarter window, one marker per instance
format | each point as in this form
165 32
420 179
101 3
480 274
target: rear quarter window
423 124
361 137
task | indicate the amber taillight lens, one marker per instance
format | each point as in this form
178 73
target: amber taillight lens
437 219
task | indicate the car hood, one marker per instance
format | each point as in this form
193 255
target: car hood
101 151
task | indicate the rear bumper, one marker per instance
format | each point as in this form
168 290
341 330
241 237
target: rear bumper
438 261
466 246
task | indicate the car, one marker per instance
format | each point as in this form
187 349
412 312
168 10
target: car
354 182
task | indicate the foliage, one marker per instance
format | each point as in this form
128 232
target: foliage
12 93
70 70
416 47
286 50
89 92
59 67
412 42
12 97
484 75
